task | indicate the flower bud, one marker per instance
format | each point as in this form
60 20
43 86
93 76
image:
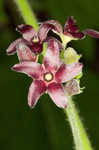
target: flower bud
72 87
71 56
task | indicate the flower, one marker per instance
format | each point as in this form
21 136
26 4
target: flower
70 30
30 44
49 76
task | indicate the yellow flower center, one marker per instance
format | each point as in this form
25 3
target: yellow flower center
35 39
48 76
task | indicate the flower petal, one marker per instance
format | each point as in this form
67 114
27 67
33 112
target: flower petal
58 26
51 58
68 72
72 28
71 25
12 48
27 31
92 33
56 92
46 26
59 43
36 47
78 35
36 89
33 69
24 52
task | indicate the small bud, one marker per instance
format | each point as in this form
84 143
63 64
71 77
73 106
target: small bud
71 56
72 87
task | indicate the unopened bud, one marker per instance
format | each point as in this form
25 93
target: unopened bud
72 87
71 56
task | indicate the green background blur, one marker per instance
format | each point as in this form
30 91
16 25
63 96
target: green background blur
45 127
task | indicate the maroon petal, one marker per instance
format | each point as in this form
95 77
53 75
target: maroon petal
27 31
68 72
51 58
46 26
32 69
58 26
36 47
78 35
25 53
36 89
59 43
92 33
71 25
72 28
12 48
56 92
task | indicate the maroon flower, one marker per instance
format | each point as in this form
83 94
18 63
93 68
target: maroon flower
70 31
50 76
32 41
71 28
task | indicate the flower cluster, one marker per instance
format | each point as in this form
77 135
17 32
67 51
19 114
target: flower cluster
59 72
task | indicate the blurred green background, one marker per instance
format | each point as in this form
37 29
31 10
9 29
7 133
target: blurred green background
45 127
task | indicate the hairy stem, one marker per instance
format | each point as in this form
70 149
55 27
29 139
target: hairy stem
80 137
79 134
27 13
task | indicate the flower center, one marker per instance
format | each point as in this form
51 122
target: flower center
35 39
48 76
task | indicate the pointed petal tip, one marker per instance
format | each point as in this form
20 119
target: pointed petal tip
62 106
32 69
37 88
31 105
91 32
14 68
65 106
71 20
12 47
22 28
8 53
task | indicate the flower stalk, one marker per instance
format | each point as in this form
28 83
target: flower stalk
27 13
79 134
80 137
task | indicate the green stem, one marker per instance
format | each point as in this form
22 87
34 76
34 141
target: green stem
79 134
27 13
80 137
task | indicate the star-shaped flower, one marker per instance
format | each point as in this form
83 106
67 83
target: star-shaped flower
70 30
49 76
30 44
